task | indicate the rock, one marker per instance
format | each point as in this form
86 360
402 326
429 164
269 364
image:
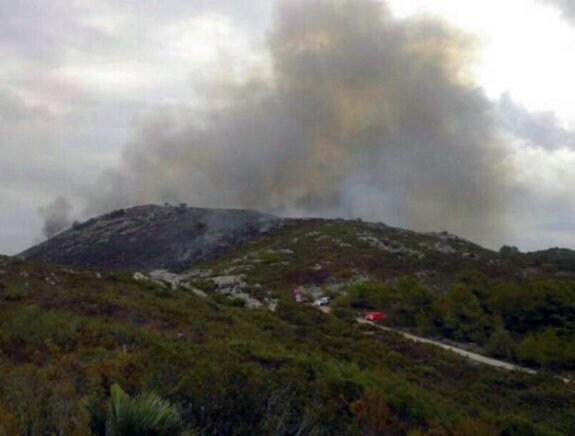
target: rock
227 281
272 305
444 248
199 292
138 276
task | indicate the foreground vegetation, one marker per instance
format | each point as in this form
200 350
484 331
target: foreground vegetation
67 337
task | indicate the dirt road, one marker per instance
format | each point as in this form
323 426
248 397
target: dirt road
459 351
467 354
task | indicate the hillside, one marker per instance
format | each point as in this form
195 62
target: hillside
219 335
438 285
68 334
152 237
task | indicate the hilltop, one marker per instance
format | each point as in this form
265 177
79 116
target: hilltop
152 237
177 238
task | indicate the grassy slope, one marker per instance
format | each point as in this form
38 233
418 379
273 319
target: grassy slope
329 253
67 334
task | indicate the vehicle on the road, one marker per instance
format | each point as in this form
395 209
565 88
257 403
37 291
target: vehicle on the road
322 301
374 316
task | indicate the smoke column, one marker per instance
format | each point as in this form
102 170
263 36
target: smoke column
357 114
56 216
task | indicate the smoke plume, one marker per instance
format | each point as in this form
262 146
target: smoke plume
357 114
56 216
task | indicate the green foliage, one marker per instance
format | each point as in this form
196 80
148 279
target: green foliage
366 296
501 316
514 425
97 411
542 348
15 294
508 251
414 304
501 345
30 326
478 283
230 370
344 313
553 260
40 401
146 414
536 304
462 317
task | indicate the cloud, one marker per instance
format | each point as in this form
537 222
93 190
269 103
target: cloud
76 74
14 110
540 156
330 108
353 114
540 195
567 7
541 129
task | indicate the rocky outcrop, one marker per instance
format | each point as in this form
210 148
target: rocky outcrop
153 237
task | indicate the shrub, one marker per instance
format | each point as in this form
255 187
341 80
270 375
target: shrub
500 344
17 294
147 414
543 349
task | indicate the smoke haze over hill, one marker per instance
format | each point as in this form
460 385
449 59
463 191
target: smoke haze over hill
354 114
56 216
427 114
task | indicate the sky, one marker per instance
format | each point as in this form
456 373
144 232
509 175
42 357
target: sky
427 114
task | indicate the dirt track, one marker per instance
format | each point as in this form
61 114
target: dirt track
467 354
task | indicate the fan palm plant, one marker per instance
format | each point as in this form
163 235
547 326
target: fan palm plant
146 414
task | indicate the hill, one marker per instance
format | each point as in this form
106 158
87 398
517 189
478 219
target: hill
152 237
220 336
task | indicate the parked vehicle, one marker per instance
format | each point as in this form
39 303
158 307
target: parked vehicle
374 316
322 301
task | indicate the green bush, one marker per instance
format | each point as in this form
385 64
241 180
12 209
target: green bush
16 294
366 296
543 349
501 345
146 414
461 314
31 326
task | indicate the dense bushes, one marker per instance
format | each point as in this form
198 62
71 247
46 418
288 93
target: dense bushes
529 320
229 370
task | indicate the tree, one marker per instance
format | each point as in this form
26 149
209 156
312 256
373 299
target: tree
543 348
415 303
508 251
461 314
500 344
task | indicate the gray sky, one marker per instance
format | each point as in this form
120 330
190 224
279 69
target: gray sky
566 6
313 108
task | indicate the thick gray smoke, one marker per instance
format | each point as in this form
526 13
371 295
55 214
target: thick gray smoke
56 216
361 115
